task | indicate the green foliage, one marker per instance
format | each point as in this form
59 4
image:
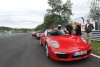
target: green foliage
66 9
55 6
58 8
94 13
59 13
39 27
95 10
22 30
5 28
52 20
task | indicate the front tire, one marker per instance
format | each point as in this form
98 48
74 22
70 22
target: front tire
40 42
47 51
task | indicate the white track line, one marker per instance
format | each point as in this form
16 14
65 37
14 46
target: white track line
95 56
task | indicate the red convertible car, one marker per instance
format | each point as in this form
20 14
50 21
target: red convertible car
64 47
34 34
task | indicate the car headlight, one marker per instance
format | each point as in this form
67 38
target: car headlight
54 44
83 39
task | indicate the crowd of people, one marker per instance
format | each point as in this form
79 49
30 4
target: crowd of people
74 28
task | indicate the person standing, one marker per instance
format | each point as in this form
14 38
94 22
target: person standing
69 28
88 29
78 29
74 28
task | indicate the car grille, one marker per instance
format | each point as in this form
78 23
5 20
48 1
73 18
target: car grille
82 55
62 56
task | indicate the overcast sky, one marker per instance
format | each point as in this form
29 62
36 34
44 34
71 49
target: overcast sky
30 13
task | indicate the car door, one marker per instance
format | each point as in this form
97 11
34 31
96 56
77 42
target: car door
43 39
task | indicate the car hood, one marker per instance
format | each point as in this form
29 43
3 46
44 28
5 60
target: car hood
70 42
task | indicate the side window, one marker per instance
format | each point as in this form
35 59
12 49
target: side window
49 32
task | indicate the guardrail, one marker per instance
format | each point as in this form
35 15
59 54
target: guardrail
9 35
95 35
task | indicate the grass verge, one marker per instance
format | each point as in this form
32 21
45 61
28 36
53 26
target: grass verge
95 46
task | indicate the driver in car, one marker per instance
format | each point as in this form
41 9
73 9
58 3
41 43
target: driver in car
60 28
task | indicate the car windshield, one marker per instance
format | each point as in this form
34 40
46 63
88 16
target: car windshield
55 32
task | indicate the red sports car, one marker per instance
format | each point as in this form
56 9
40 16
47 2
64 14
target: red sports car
33 33
39 33
64 47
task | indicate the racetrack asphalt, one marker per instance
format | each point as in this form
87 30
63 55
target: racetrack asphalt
25 51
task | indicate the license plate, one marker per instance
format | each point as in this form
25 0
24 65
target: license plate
79 53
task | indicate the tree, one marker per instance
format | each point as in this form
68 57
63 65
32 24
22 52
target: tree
39 27
66 9
95 12
52 20
95 9
58 8
58 13
5 28
55 6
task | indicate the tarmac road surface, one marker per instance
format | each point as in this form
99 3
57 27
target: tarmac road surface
25 51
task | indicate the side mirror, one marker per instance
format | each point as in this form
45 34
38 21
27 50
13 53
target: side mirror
42 35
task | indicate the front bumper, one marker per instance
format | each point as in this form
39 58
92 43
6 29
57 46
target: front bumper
60 56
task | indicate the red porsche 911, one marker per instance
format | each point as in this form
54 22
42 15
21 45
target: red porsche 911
64 47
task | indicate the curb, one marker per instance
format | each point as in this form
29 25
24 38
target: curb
95 56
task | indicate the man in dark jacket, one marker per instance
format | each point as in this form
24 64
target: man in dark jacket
88 29
78 29
69 28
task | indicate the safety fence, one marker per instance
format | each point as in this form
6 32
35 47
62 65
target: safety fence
7 34
95 35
